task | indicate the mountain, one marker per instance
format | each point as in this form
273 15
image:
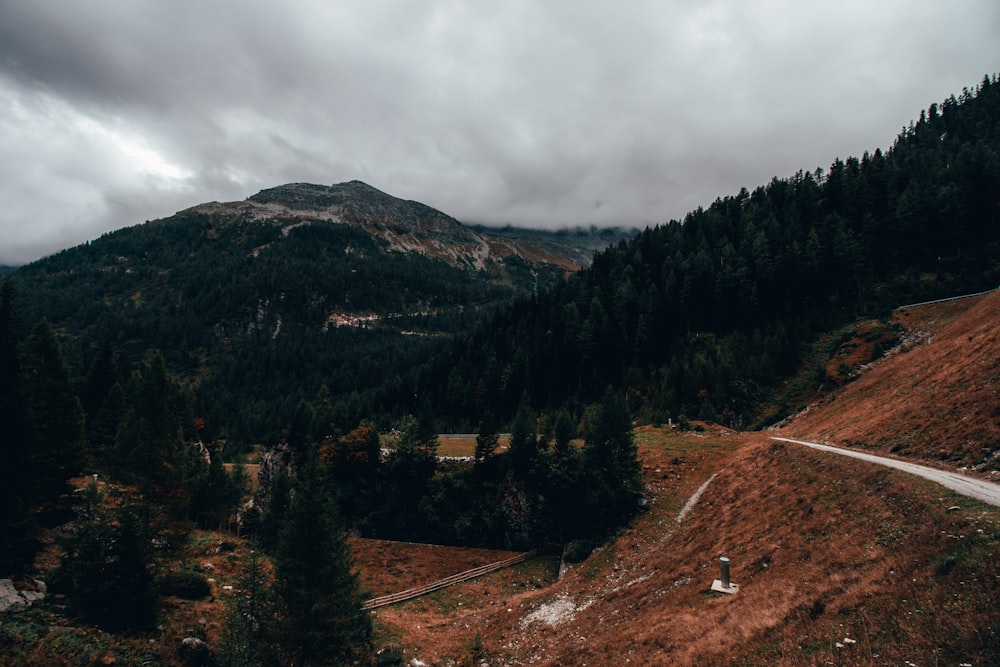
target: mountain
409 226
262 302
838 561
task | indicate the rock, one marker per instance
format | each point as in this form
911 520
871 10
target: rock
195 651
13 600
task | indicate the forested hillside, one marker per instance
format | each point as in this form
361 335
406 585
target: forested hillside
258 305
703 316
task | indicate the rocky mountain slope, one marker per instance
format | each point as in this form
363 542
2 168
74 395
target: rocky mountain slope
410 226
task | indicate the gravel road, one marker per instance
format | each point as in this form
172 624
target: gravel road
987 492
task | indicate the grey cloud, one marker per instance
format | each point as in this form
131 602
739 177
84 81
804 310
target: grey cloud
522 112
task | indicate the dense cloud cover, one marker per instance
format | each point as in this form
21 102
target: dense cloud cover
568 112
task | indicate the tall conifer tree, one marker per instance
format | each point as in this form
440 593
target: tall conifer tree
55 416
15 544
322 621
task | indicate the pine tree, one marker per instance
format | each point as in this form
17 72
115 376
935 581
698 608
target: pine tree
322 621
248 635
523 450
16 545
487 440
149 445
611 463
108 564
210 495
55 416
100 380
410 469
275 510
12 403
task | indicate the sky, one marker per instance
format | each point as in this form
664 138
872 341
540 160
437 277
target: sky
541 113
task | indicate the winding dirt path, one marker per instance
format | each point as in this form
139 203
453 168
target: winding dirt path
987 492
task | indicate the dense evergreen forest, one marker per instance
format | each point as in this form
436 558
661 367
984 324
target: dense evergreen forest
135 429
245 311
702 317
124 535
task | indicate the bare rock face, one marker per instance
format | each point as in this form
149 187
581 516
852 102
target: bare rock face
271 461
407 226
13 600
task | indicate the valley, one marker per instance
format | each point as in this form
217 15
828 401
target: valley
838 561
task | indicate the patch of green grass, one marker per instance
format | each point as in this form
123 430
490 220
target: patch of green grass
538 572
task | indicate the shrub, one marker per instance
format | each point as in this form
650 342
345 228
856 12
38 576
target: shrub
186 584
577 551
107 569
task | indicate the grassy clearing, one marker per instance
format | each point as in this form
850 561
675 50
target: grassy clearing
448 444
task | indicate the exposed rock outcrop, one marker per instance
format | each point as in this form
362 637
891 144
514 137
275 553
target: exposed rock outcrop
13 600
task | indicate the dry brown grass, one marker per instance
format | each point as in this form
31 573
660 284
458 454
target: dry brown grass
390 567
939 401
823 548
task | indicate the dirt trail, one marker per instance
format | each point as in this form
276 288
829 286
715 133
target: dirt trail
987 492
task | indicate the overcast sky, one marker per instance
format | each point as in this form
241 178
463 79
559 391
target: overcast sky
528 112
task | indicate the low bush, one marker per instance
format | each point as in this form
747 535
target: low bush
185 584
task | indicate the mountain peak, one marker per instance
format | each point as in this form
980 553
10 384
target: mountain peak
313 196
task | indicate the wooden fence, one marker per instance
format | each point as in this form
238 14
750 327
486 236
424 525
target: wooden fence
393 598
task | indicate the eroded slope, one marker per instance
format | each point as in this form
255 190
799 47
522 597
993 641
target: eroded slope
838 562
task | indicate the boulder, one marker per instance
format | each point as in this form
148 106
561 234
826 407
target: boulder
10 598
195 651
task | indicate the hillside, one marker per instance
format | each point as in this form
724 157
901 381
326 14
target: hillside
838 562
707 316
260 303
938 401
344 329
